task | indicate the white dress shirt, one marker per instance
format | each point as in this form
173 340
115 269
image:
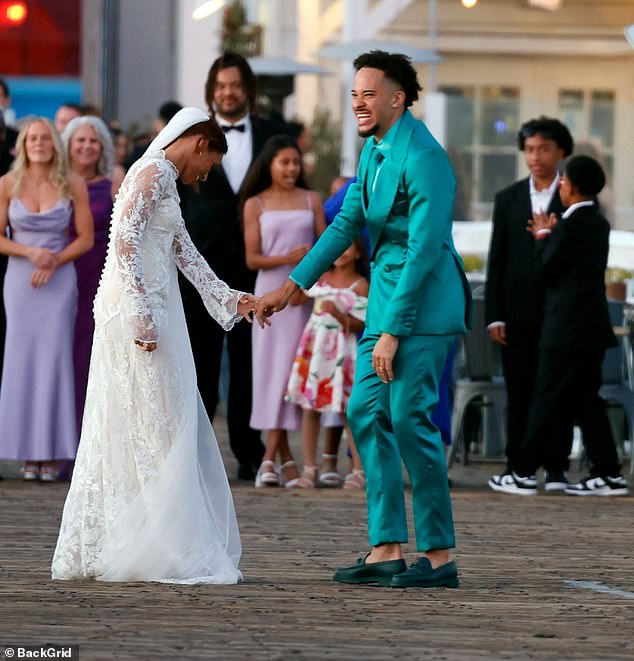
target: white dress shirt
573 207
237 160
541 199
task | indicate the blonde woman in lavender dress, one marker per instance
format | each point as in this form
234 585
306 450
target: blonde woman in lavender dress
37 401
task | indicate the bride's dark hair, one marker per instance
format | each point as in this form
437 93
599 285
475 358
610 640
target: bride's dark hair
210 130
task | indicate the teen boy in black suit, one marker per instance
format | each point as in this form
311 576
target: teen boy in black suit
571 255
514 294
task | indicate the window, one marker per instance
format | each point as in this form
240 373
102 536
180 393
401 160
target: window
589 114
482 125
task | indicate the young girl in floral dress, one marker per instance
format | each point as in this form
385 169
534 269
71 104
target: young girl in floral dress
323 370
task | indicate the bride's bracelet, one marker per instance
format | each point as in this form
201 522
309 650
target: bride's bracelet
146 345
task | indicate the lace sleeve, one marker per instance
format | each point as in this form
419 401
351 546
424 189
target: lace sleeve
221 301
142 193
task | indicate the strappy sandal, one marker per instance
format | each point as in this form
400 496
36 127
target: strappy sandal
292 483
267 476
49 474
307 480
30 471
355 480
331 479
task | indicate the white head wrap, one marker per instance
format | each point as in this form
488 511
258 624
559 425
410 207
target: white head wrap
182 120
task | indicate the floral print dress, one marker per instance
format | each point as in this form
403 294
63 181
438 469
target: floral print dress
323 370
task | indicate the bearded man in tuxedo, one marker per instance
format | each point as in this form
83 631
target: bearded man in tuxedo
211 213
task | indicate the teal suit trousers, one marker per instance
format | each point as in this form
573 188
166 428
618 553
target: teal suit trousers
393 421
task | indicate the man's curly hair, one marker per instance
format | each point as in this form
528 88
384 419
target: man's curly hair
397 67
549 129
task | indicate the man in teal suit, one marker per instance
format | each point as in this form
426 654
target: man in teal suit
419 300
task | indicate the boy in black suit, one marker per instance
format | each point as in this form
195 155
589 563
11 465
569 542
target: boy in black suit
571 256
514 301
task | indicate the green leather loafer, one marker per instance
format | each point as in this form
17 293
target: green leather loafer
378 573
421 575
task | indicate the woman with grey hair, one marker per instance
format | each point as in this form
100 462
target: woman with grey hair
89 167
90 154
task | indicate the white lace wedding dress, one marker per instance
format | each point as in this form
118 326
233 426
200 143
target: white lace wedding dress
149 499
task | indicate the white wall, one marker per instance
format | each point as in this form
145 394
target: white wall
198 44
146 59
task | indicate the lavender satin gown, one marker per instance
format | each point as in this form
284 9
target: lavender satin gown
88 268
37 398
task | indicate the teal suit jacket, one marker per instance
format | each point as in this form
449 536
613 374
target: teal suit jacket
417 284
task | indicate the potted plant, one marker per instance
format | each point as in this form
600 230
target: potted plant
473 263
615 283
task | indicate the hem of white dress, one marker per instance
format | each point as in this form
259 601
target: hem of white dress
232 579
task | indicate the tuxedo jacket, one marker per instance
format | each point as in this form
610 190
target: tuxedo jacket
417 284
572 263
514 291
212 218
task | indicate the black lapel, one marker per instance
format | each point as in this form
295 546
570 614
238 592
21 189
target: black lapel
556 205
524 200
259 138
524 207
218 174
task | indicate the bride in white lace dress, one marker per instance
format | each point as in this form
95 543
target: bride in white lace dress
149 499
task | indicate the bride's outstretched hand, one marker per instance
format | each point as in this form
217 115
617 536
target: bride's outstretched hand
247 305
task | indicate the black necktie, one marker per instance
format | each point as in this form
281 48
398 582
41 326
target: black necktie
232 127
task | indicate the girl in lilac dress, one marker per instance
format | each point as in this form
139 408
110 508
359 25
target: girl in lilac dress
37 401
90 154
281 220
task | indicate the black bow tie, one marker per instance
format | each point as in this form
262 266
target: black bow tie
234 127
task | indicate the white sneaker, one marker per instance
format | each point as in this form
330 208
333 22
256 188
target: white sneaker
599 486
514 484
555 481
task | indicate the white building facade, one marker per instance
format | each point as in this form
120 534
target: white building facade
503 62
